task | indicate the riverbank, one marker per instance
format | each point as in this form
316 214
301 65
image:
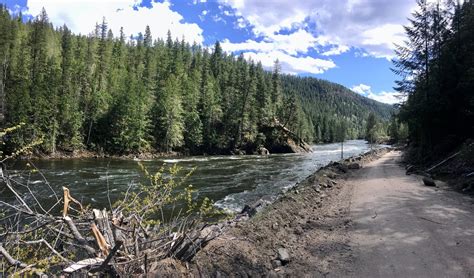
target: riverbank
273 241
291 147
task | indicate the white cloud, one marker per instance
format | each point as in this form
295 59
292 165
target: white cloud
361 89
336 50
385 97
373 25
298 42
287 48
81 17
291 64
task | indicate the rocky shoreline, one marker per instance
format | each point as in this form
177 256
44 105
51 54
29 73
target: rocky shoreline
290 146
265 239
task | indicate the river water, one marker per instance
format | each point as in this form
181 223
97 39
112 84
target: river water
231 181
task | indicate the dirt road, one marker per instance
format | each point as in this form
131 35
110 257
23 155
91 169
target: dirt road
401 228
348 222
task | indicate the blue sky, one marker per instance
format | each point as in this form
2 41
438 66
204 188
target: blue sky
350 42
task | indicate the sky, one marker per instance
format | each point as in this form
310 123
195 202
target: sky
349 42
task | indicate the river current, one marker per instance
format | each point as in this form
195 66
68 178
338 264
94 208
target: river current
231 181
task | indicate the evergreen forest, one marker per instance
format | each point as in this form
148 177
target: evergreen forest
436 66
111 93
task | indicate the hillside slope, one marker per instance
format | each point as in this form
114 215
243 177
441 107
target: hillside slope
327 104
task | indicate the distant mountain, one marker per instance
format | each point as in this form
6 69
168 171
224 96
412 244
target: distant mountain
327 105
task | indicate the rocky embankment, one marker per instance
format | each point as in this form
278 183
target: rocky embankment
303 232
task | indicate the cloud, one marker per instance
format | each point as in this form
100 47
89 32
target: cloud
385 97
336 50
291 64
203 14
81 17
297 42
361 89
290 49
373 25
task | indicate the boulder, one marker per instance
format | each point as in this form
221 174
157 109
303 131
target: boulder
263 151
429 181
283 255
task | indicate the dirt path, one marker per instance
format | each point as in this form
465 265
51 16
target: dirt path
369 222
401 228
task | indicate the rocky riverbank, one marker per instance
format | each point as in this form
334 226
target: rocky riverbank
283 145
303 232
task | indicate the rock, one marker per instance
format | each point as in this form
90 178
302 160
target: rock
263 151
283 255
354 165
254 208
250 211
298 231
343 168
275 226
317 188
429 181
273 273
276 263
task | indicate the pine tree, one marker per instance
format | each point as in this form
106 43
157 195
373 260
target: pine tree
276 95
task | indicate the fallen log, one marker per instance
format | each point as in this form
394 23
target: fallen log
443 162
82 264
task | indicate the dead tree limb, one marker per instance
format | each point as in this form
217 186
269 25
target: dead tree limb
78 237
40 241
67 199
12 261
443 162
6 180
100 239
109 257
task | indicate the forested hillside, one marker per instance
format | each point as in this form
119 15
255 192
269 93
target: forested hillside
108 93
436 66
329 105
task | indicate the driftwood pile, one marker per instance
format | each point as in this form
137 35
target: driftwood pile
71 239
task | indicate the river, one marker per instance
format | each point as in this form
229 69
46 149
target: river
231 181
